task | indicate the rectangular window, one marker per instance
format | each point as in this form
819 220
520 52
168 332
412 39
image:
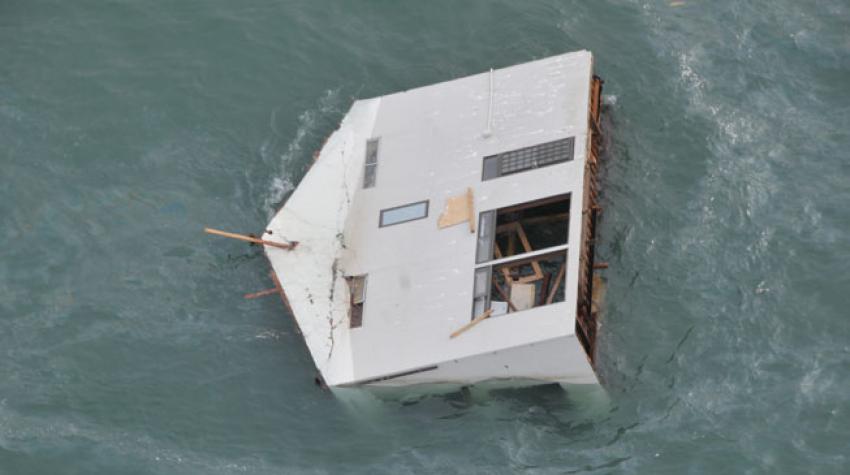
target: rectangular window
528 158
486 233
481 292
370 167
357 290
405 213
521 256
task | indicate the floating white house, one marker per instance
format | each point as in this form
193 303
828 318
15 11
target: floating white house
446 233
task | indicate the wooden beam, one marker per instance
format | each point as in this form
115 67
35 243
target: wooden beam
544 289
261 293
600 265
557 283
535 220
470 206
242 237
538 272
504 270
471 324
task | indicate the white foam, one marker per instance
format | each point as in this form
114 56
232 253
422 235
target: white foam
308 120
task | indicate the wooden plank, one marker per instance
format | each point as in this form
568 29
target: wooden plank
470 206
538 272
544 288
455 211
261 293
503 269
471 324
251 239
557 283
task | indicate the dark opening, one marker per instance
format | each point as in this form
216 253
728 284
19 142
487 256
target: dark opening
523 228
357 289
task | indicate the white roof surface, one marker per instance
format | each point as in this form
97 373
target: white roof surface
420 277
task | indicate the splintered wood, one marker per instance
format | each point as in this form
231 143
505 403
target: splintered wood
262 293
458 209
471 324
251 239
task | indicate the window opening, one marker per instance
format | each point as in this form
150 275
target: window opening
357 290
528 227
521 255
520 284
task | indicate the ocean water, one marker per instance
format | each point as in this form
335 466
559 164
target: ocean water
127 126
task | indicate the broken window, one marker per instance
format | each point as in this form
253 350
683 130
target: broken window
528 158
521 256
527 283
405 213
357 291
370 167
523 228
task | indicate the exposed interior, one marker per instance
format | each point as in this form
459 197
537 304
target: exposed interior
512 273
533 226
586 316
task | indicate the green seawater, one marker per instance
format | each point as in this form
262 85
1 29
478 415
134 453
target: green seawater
127 126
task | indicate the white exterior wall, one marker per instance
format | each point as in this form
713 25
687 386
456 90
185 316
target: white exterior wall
558 360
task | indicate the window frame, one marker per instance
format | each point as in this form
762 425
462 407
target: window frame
487 224
495 160
370 163
492 215
381 223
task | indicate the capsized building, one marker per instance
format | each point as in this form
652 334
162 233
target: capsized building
446 233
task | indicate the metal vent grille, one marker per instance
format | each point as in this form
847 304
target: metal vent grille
528 158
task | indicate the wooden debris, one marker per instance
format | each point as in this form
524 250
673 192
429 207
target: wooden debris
516 227
600 265
284 298
504 295
261 293
470 206
242 237
471 324
458 209
544 289
557 283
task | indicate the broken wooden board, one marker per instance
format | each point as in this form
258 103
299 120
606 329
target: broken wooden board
458 209
471 324
522 295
